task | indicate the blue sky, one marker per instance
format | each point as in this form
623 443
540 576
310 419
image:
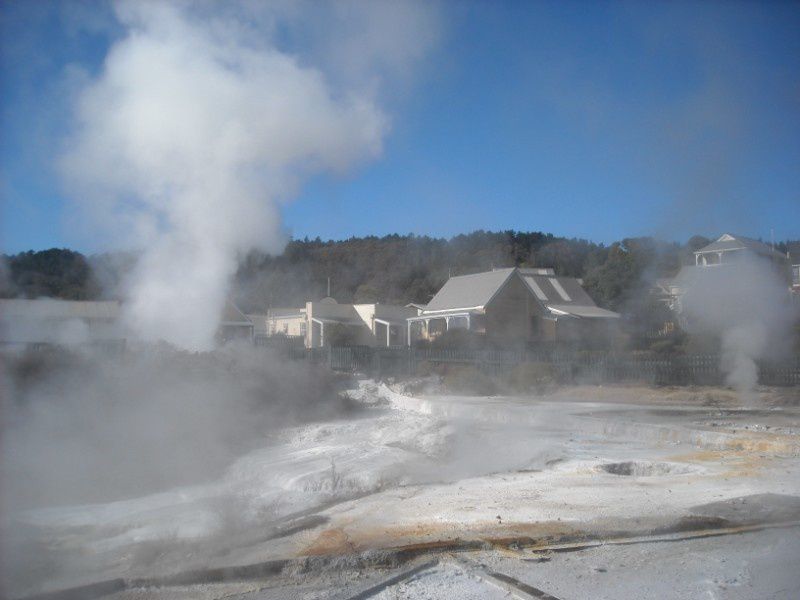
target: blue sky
593 120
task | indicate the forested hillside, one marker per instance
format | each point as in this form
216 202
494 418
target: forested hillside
401 269
62 273
56 273
390 269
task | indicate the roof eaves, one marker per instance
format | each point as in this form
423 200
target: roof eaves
715 250
389 321
447 310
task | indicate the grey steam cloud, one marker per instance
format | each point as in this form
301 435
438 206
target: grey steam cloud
746 305
200 124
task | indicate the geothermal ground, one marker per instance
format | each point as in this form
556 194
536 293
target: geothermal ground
587 493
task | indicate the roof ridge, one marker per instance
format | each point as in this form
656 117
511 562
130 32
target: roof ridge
482 272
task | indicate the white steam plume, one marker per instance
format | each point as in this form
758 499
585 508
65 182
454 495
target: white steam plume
196 129
746 305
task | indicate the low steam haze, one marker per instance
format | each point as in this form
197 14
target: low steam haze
161 417
199 126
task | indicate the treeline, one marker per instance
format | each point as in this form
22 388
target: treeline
393 269
398 269
62 273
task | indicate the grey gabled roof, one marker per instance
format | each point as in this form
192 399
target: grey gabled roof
564 295
728 241
476 291
550 289
231 315
469 291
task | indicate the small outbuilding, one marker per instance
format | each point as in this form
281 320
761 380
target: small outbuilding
358 324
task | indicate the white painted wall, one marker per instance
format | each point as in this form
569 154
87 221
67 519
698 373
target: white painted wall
364 313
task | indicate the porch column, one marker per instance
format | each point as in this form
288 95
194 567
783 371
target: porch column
408 333
388 335
447 323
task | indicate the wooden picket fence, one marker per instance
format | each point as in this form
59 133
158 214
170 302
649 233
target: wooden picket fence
289 346
568 366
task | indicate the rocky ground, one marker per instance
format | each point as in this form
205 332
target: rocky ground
759 564
582 492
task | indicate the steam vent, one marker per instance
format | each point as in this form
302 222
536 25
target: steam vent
399 299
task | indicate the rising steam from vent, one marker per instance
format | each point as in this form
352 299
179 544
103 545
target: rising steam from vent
746 306
194 131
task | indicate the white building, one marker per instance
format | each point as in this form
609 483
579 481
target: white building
729 248
714 262
363 324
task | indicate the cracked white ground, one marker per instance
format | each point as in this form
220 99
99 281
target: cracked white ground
508 478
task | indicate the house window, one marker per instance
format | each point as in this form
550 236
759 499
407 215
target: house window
796 274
